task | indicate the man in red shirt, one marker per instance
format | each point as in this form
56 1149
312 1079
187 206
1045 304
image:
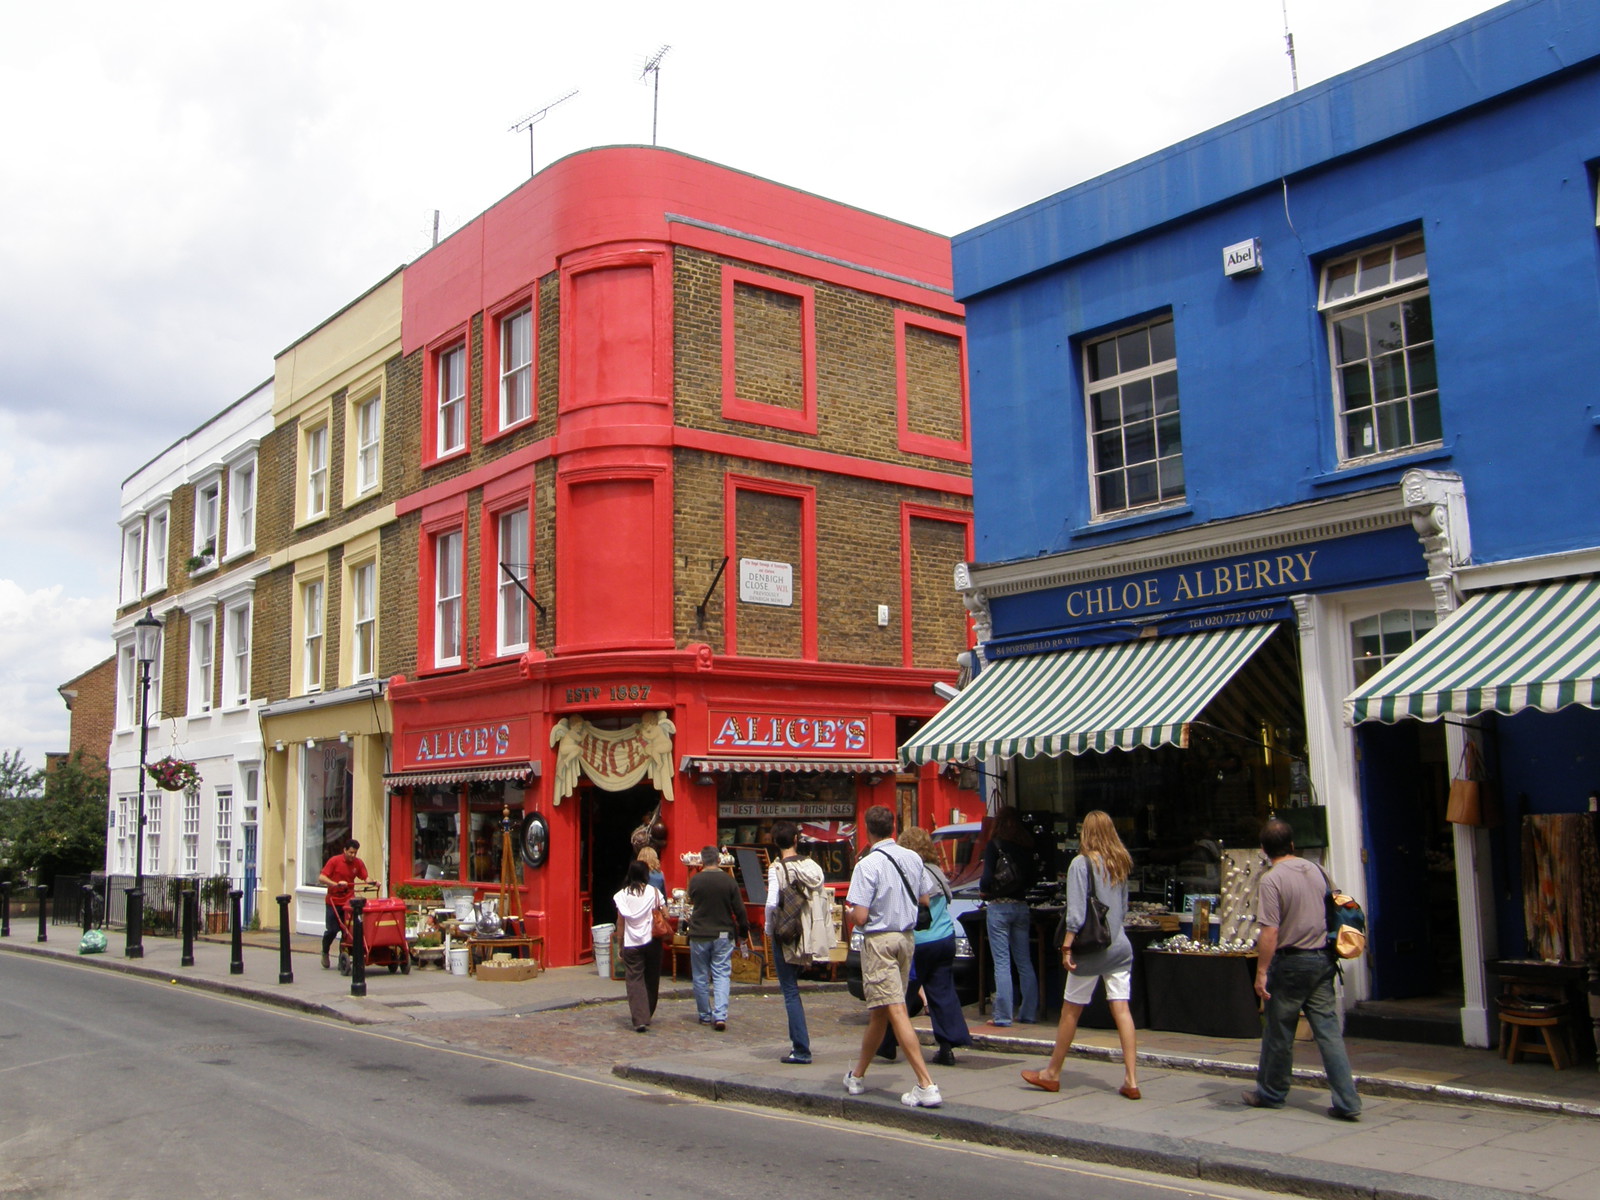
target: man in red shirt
339 875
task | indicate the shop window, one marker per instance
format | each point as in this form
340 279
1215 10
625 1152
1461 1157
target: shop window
455 831
1377 641
1380 341
1135 444
822 804
327 787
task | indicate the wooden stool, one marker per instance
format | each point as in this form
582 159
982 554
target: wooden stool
1551 1022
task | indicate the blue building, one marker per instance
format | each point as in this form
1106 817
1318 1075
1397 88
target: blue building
1260 423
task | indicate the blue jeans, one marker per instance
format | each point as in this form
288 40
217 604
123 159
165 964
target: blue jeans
1010 925
789 982
710 964
1296 982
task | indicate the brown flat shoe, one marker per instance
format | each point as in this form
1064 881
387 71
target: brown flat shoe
1132 1093
1040 1082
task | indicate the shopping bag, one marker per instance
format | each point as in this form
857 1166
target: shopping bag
1471 797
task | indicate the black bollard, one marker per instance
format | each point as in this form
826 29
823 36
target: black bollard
5 909
40 891
285 971
88 907
358 947
135 927
235 907
186 900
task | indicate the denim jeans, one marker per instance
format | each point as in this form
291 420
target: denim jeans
711 963
1296 982
789 982
1010 925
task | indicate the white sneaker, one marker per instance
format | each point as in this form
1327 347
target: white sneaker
854 1084
923 1097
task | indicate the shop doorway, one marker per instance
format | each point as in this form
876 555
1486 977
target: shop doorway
609 819
1414 941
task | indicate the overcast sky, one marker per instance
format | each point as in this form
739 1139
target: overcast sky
185 188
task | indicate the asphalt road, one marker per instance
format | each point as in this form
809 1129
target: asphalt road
112 1085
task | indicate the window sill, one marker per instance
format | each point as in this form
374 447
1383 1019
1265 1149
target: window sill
307 522
205 570
447 456
241 552
507 430
1140 518
1378 466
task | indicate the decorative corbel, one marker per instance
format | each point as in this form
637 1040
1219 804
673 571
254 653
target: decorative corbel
977 603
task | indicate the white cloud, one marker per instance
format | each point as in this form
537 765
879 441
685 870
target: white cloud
46 638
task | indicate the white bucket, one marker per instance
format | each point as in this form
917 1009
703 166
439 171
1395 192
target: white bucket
458 960
602 948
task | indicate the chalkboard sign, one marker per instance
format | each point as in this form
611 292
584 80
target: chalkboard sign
752 863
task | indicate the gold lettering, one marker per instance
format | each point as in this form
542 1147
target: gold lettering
1138 595
1074 598
1152 593
1241 577
1097 601
1286 570
1305 562
1263 568
1182 591
1224 580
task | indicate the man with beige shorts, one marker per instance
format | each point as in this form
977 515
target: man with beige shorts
886 887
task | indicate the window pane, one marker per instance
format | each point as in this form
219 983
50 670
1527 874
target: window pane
1168 438
1103 359
435 836
1140 441
1394 426
1171 478
1143 486
1425 418
1349 339
1133 350
1162 346
1340 281
1356 386
1358 434
1410 260
1383 328
1389 377
1106 408
1418 318
1166 392
1108 450
1112 497
1138 400
1374 270
1420 364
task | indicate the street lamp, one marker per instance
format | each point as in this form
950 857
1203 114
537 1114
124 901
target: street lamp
146 639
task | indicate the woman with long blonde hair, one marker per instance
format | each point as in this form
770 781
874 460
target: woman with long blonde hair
1102 864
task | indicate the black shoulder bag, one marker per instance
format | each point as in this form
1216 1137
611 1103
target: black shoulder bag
1095 933
924 914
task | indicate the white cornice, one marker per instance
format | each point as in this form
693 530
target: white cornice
1529 570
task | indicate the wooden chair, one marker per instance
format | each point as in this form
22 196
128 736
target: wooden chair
1551 1020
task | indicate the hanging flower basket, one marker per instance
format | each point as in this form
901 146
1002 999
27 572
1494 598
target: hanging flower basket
174 774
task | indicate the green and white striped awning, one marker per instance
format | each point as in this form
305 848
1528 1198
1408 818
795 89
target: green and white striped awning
1112 697
1532 646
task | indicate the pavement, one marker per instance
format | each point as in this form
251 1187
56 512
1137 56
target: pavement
1437 1121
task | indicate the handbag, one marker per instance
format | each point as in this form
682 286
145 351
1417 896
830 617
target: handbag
1095 933
660 923
1468 790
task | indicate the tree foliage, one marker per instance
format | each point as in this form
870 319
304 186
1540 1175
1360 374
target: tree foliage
53 824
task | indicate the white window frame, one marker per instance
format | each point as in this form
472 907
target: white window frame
153 803
128 691
315 448
369 442
447 573
516 368
313 594
157 533
127 814
452 400
511 611
1164 427
207 520
223 848
133 561
242 477
236 631
1391 274
202 668
191 832
364 620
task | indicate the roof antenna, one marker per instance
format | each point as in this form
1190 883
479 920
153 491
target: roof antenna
532 119
1288 41
652 66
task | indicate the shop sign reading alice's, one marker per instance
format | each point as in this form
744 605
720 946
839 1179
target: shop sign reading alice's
461 744
786 733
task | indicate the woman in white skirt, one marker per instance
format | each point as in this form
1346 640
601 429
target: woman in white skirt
1102 856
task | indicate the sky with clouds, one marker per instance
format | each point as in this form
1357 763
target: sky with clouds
187 187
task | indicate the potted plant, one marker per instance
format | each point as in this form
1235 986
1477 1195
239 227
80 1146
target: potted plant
195 561
214 896
174 774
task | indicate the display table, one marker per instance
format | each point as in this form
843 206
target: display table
1568 982
479 949
1211 995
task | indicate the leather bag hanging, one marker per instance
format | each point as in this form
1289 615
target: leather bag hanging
660 924
1466 806
1095 933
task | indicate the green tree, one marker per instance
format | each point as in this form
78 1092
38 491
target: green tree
53 824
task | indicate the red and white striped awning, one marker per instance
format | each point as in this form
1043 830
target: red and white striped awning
502 772
794 766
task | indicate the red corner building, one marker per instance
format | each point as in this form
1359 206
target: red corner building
695 476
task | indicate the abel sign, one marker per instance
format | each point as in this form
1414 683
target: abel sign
763 582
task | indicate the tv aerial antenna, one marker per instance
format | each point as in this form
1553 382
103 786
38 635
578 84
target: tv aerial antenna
532 119
1288 42
652 66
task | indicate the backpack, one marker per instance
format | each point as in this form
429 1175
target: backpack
1347 923
787 927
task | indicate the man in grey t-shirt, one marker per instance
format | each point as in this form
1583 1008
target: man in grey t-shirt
1294 973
